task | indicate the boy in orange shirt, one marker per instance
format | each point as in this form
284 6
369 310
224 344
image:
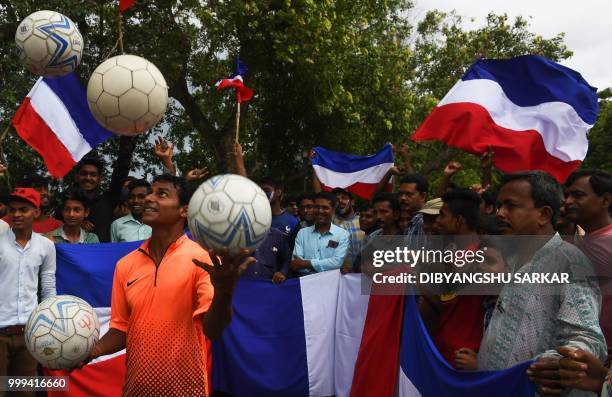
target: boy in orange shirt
167 296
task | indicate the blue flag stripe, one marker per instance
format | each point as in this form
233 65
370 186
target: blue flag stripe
73 95
86 270
343 162
530 80
432 376
263 350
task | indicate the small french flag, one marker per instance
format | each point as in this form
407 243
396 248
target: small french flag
55 120
359 175
243 93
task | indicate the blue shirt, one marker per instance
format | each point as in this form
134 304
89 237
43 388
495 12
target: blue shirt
284 222
273 255
21 270
324 251
127 229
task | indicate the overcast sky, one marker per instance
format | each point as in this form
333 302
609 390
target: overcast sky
587 27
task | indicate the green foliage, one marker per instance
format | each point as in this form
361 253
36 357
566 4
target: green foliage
600 138
348 75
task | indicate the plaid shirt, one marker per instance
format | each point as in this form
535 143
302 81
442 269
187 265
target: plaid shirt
415 236
356 235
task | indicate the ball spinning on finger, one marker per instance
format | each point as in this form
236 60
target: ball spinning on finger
229 211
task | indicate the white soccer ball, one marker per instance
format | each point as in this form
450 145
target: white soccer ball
229 211
49 43
127 94
62 331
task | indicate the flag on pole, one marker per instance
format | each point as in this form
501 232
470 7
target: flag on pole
125 4
359 175
236 80
55 120
533 112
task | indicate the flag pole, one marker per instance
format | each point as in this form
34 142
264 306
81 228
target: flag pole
237 121
3 157
120 31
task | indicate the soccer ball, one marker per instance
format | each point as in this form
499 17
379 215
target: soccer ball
49 43
127 94
229 211
62 331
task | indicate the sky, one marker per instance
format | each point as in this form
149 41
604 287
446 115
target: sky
587 27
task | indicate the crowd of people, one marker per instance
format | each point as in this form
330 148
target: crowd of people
568 333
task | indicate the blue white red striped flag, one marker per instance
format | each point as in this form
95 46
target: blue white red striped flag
55 120
358 174
243 93
533 112
318 335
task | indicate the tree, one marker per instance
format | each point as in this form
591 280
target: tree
347 75
600 136
443 51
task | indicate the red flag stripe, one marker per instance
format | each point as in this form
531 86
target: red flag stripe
33 129
469 126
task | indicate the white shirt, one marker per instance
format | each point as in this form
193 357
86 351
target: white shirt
3 226
20 268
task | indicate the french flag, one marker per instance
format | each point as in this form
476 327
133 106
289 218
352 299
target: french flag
319 335
55 120
358 174
533 112
243 93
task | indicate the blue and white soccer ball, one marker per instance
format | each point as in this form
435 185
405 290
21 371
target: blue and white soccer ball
229 211
62 331
49 43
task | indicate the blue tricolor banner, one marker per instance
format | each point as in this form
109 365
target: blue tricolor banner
305 337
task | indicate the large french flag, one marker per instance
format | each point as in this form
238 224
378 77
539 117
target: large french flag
318 335
534 113
55 120
358 174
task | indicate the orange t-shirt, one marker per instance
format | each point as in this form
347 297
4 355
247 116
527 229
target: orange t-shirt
159 309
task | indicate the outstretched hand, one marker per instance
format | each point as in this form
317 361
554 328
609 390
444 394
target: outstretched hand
163 149
196 173
225 268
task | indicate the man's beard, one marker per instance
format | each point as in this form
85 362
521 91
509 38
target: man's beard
343 211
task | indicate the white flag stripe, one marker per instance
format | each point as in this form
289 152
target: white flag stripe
319 300
346 179
563 131
52 110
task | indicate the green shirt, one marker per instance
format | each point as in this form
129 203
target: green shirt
59 237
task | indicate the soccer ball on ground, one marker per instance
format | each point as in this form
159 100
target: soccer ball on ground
127 94
49 43
229 211
62 331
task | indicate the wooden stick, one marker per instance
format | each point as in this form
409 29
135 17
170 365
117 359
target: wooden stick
237 122
7 176
120 31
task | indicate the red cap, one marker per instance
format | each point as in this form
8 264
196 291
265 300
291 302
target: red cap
28 194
